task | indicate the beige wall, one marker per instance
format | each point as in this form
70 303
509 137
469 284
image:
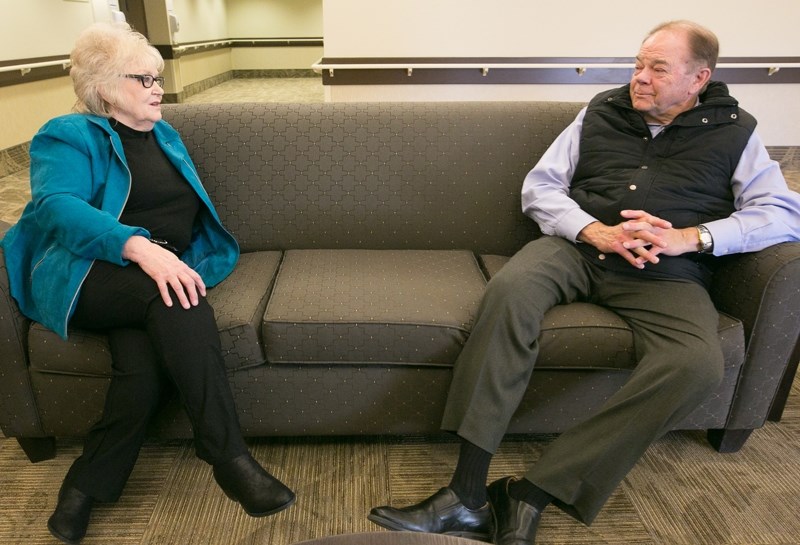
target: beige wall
45 28
201 20
547 28
205 65
208 20
211 20
562 28
41 28
274 58
274 18
24 108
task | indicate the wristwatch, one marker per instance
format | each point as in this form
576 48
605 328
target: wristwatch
706 245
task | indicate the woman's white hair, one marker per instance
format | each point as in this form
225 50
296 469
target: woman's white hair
101 54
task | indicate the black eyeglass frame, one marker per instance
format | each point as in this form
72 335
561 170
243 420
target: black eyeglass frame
145 78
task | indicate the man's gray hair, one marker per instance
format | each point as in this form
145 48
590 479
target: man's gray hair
703 44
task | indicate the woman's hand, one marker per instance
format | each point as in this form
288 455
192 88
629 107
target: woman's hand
166 270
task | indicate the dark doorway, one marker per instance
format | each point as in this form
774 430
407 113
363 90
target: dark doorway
134 14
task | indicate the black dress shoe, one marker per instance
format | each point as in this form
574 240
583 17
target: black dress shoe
442 513
515 521
69 521
260 494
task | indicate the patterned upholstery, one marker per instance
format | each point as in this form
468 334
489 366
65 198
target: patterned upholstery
368 232
372 306
239 303
18 415
770 312
80 367
374 175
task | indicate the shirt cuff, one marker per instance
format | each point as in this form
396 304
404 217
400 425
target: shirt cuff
573 223
726 235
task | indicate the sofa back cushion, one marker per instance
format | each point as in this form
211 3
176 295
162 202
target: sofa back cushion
371 175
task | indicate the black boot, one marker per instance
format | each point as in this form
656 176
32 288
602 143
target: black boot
69 521
515 522
260 494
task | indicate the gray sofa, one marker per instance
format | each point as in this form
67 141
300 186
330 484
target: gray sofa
368 232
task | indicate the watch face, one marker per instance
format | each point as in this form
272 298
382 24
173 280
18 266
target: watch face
705 239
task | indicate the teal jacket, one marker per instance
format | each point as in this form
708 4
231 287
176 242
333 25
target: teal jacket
80 183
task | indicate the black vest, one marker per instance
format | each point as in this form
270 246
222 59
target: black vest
683 175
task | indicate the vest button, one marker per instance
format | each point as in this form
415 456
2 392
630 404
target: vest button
704 120
601 257
734 116
644 167
632 187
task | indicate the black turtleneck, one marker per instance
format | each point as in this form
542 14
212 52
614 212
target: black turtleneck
161 200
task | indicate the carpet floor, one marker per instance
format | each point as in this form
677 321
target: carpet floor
681 492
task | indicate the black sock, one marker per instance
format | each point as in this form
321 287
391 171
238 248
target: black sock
469 478
524 490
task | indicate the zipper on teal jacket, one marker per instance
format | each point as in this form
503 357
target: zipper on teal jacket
119 215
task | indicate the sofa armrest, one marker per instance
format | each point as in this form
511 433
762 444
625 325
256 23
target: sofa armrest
19 416
761 289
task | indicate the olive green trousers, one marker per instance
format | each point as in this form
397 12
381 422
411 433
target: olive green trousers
680 362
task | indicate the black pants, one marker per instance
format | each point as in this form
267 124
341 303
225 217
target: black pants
154 349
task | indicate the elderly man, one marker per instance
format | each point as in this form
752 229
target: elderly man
637 199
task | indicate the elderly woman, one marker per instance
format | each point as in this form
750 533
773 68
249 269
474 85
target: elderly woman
121 237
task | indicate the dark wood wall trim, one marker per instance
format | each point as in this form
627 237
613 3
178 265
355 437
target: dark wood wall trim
460 70
531 70
277 42
191 48
168 52
58 67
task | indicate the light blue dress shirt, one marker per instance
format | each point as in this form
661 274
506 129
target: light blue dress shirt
767 211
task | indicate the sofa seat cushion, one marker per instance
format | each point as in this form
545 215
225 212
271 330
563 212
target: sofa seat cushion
372 306
239 302
583 335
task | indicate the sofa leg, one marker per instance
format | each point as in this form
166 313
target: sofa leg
727 441
38 449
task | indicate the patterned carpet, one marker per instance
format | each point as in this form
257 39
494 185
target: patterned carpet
682 491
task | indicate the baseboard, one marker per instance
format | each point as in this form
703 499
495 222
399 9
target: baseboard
277 73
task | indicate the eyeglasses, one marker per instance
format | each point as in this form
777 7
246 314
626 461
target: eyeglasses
146 79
